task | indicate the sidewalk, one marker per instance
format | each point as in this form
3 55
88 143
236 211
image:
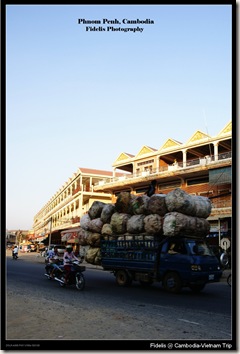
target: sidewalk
36 257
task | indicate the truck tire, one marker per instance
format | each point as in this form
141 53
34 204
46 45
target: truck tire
196 288
172 282
122 278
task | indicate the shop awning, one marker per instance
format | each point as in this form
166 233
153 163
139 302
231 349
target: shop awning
66 236
40 239
73 240
70 236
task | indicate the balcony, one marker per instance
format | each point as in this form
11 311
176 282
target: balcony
179 166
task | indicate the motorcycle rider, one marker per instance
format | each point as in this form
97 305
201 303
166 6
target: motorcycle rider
68 257
53 259
15 252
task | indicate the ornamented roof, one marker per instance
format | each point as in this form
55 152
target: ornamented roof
124 156
170 143
145 150
198 135
226 130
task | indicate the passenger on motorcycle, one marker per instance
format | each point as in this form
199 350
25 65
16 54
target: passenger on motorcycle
68 257
53 259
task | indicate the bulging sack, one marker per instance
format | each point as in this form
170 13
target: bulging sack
180 224
119 222
96 209
180 201
153 224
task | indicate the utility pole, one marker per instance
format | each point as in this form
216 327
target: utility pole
50 233
219 232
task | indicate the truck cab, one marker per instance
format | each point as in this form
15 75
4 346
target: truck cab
187 262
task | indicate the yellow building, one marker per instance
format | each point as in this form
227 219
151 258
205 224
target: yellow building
201 166
63 211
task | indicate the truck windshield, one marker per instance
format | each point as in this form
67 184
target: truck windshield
199 248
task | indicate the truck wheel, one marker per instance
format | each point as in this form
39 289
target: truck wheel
172 283
196 288
122 278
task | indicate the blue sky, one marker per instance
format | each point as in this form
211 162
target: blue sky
78 98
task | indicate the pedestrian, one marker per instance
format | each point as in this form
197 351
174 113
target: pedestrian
151 188
15 252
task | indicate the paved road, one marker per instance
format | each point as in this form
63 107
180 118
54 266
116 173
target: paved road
35 257
103 311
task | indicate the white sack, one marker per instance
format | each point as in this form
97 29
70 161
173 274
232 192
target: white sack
96 209
135 224
153 224
85 222
93 256
119 222
107 212
182 202
157 205
140 204
180 224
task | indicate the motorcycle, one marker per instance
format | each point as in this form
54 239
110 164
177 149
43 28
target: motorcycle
75 276
58 269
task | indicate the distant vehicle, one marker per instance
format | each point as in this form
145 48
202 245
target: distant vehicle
33 248
40 247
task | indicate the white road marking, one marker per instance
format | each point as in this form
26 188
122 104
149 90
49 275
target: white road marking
181 319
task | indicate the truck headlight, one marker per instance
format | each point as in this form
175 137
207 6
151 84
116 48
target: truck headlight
196 267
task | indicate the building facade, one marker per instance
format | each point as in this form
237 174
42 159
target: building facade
202 166
61 215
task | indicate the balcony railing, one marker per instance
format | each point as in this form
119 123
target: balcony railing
207 160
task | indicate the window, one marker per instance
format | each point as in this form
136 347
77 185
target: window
145 162
117 193
200 180
141 190
206 194
199 248
176 246
220 176
174 184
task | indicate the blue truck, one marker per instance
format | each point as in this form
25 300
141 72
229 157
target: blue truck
176 261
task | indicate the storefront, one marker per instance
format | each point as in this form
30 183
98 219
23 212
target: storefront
70 236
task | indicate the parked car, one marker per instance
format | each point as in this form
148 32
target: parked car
33 248
41 247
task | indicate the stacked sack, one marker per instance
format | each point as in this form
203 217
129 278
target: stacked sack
172 214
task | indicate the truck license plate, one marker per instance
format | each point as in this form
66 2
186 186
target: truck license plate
211 277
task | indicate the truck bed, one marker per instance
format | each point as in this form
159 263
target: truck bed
139 255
